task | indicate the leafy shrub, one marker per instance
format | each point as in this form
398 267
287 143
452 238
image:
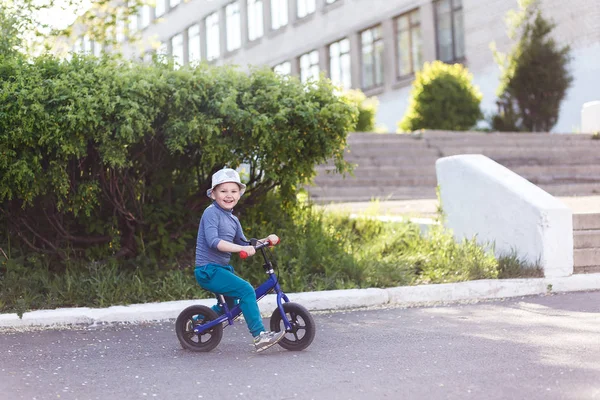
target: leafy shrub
442 97
534 78
101 157
367 110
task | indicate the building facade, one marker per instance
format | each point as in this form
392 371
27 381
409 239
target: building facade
372 45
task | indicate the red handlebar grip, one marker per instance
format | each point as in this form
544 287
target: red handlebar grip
243 255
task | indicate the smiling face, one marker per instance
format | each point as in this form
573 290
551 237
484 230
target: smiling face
226 195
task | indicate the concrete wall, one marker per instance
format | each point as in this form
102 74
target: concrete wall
484 199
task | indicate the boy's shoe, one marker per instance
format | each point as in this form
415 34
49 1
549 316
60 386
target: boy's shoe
267 339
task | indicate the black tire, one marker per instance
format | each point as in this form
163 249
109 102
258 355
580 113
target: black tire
303 327
184 326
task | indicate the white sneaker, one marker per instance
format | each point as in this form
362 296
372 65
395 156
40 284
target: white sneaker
267 339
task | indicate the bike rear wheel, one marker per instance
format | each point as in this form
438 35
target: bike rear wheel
303 326
191 317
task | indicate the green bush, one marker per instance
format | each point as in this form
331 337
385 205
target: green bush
367 110
443 98
102 157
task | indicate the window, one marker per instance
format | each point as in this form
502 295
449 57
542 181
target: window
133 24
409 49
173 3
160 8
285 68
339 63
372 57
232 23
279 13
145 17
449 30
163 49
194 43
309 66
305 7
177 49
213 50
86 45
97 49
255 19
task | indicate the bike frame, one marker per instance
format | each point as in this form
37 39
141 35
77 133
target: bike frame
271 284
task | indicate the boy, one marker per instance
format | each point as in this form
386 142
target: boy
220 234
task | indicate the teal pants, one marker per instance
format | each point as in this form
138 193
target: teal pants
222 280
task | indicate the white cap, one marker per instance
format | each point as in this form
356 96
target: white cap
226 175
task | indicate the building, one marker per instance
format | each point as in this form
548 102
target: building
374 45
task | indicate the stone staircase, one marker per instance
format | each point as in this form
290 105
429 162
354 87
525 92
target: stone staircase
402 167
586 243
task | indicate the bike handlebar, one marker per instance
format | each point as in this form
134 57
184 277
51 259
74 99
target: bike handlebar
258 246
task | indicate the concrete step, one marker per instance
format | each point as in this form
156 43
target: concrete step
586 221
576 189
349 194
455 136
419 178
374 171
586 257
586 239
466 137
594 269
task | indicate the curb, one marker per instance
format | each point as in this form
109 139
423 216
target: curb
404 296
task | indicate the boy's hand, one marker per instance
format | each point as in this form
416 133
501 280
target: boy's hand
273 239
250 250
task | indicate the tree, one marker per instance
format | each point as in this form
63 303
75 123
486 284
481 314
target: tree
442 97
535 77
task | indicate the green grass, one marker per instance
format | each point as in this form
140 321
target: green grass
319 251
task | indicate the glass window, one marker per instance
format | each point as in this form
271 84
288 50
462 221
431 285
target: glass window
305 7
133 24
255 19
97 49
145 16
309 66
160 8
232 23
86 45
372 57
285 68
194 43
213 50
177 49
163 49
409 48
339 63
449 30
279 13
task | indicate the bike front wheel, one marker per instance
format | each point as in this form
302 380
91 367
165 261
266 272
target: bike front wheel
191 317
302 333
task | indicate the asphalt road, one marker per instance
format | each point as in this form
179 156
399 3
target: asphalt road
542 347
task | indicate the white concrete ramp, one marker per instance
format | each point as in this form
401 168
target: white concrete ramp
481 198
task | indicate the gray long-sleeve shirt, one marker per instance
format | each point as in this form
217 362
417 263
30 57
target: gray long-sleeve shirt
217 224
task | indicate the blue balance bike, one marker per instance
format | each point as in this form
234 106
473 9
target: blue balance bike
199 328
